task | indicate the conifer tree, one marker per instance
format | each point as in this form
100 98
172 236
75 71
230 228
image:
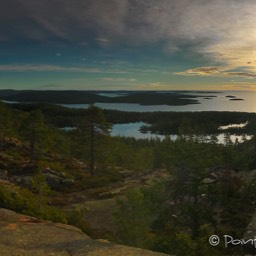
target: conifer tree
96 130
34 130
5 122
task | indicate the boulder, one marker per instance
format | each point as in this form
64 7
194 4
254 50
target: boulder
52 180
3 175
24 235
74 164
67 183
13 142
48 170
208 181
26 181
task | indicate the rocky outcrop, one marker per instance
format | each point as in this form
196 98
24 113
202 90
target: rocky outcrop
220 173
3 175
24 235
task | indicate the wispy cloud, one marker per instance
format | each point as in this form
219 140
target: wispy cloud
154 86
104 42
207 23
221 31
240 85
55 68
120 79
216 71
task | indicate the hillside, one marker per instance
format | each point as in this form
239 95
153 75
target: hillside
167 196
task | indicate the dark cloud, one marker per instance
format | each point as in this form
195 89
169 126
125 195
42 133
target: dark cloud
63 19
131 21
208 27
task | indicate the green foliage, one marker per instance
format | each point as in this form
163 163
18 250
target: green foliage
95 133
77 218
132 154
40 189
34 130
24 201
133 220
6 123
103 178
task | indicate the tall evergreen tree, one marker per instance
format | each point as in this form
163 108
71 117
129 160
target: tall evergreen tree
34 130
96 130
5 122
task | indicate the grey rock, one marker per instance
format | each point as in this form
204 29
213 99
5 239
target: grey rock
3 175
26 181
67 183
52 172
52 180
24 235
208 181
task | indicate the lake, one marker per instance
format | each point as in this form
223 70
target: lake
239 101
133 130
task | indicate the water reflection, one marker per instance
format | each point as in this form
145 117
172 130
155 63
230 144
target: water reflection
221 102
225 127
133 130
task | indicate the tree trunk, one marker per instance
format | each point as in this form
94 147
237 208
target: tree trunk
1 141
32 146
92 150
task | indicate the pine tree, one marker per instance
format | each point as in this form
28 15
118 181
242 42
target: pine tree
34 130
5 123
96 130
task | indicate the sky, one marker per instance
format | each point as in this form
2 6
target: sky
128 44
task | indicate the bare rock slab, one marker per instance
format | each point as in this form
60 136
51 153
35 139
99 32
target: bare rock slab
27 236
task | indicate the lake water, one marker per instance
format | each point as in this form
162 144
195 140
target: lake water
238 101
133 130
220 101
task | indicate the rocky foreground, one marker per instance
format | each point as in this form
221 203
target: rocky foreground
27 236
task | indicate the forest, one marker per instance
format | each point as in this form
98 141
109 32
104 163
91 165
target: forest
210 188
88 97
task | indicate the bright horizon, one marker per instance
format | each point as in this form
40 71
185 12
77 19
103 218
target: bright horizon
128 45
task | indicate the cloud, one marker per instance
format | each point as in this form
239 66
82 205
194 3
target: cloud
104 42
203 71
154 86
135 21
222 31
111 79
216 71
55 68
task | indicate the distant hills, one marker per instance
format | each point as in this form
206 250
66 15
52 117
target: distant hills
89 97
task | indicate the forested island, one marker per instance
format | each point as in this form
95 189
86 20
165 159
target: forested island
89 97
165 195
